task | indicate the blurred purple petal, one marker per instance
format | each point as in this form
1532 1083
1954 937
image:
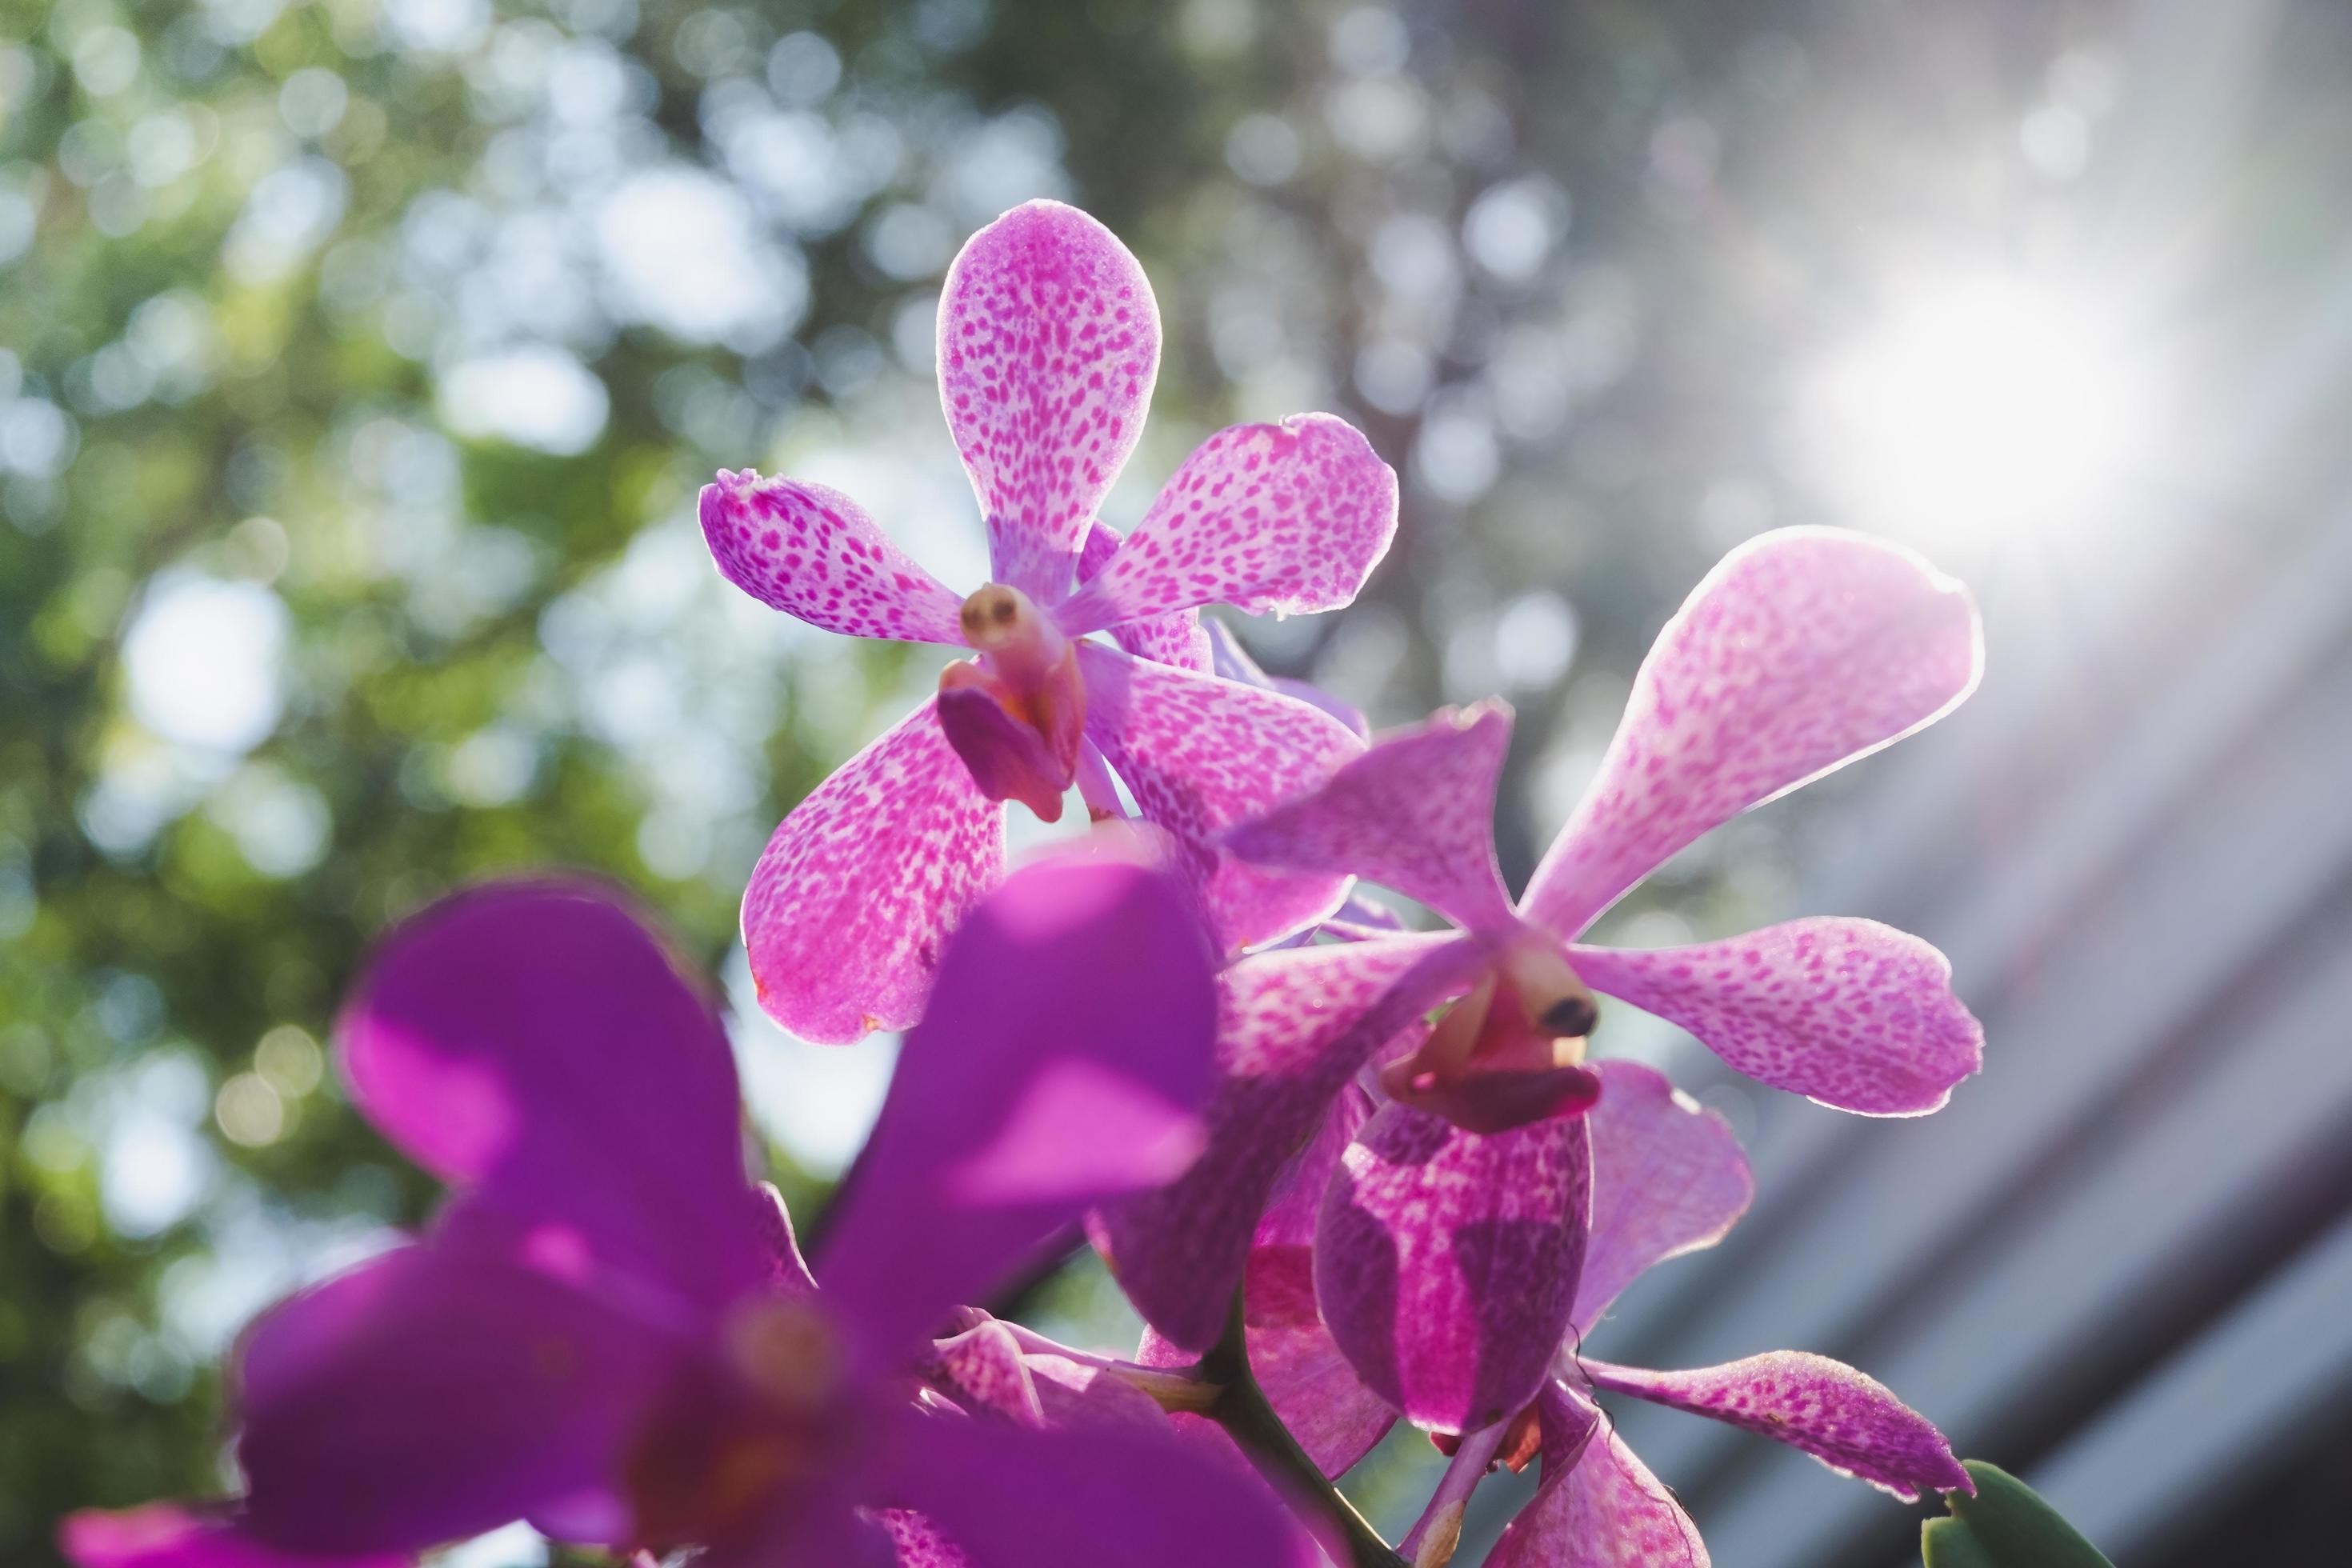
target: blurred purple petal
1179 639
1063 1061
1597 1505
1049 342
1415 814
1202 754
856 894
814 554
1853 1424
1446 1262
1803 650
1294 1026
1288 518
534 1046
1668 1177
1016 1498
166 1535
1228 661
435 1393
1856 1015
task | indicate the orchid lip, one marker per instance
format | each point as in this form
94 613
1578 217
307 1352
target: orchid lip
1510 1052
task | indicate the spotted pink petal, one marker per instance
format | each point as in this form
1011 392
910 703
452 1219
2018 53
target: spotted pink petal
1294 1024
536 1046
1446 1261
1853 1424
1230 661
1179 638
1415 814
813 554
1856 1015
1668 1177
849 905
1063 1063
1598 1505
1049 342
788 1271
1017 1499
1202 754
1803 650
167 1535
917 1542
984 1369
1298 1364
1289 518
436 1392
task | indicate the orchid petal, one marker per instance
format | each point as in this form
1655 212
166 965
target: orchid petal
167 1535
1296 1361
1049 342
983 1368
1856 1015
1803 650
1851 1423
1415 814
533 1044
435 1393
1016 1498
1668 1177
918 1543
1063 1062
1598 1505
1295 1023
1446 1261
788 1272
1289 518
1228 661
813 554
849 905
1179 638
1202 754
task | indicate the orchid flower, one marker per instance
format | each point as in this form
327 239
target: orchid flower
1048 345
609 1332
1802 651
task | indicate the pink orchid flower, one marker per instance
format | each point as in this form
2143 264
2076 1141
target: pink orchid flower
1049 344
1802 651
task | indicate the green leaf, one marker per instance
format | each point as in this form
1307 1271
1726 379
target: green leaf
2005 1525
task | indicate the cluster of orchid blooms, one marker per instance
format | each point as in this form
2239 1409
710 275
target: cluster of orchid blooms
1349 1173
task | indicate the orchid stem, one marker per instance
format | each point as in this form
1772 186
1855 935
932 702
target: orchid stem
1243 1411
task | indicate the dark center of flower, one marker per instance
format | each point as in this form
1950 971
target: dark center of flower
1509 1053
1016 714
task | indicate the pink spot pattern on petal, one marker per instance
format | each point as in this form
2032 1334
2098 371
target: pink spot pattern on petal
813 554
1668 1177
1201 755
1049 344
1293 1026
1851 1423
1803 650
1446 1262
1416 814
1856 1015
858 891
1598 1506
1177 638
1291 516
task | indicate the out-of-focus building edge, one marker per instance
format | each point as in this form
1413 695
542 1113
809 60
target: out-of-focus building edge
2150 1176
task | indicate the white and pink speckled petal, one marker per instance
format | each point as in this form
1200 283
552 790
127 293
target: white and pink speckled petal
1049 342
1294 1024
1856 1015
1597 1505
813 554
1851 1423
856 894
984 1370
1668 1177
916 1542
1288 518
1179 639
1415 814
1201 755
1446 1262
1803 650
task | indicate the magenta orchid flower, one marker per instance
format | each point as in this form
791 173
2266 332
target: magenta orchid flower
1048 346
609 1331
1803 650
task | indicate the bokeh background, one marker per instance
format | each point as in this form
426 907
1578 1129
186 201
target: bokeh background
360 361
